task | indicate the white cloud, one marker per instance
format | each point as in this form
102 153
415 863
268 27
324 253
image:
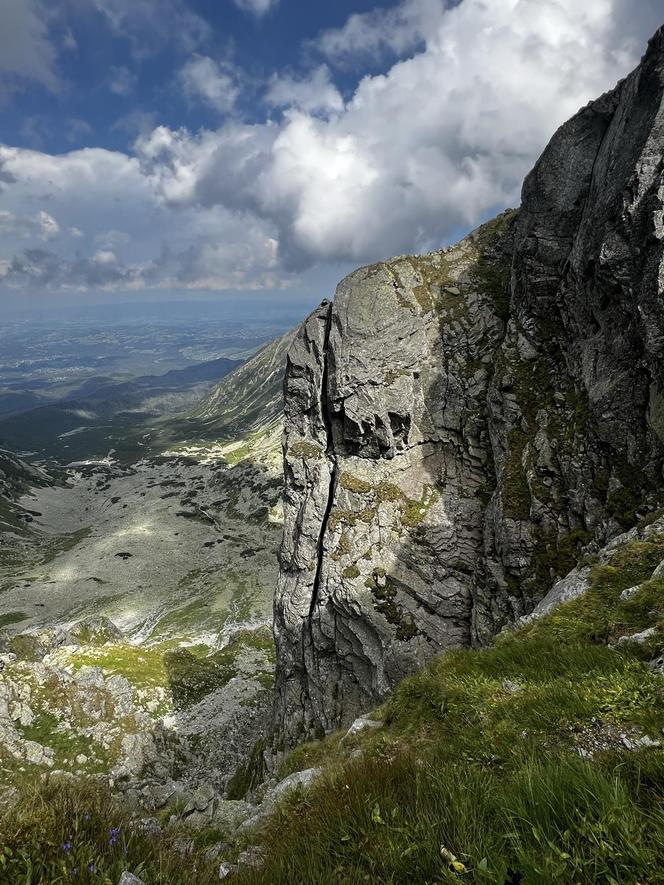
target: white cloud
121 80
430 147
26 52
40 226
206 79
400 30
256 7
314 93
152 24
415 156
69 41
112 233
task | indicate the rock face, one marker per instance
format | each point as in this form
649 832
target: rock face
460 425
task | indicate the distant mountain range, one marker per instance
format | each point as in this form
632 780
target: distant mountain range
103 414
151 413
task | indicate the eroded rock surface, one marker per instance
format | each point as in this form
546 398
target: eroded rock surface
461 426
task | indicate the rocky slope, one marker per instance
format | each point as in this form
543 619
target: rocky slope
250 398
461 426
537 758
135 604
16 477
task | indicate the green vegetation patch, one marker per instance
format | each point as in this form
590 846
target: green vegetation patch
415 512
305 450
12 618
66 743
188 672
142 665
501 765
65 831
354 483
249 775
192 676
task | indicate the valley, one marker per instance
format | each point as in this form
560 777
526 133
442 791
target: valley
136 599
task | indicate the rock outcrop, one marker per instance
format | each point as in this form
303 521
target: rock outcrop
461 425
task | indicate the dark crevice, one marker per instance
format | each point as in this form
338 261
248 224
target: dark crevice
329 454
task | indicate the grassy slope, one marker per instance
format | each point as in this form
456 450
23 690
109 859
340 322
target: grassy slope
503 765
69 832
480 773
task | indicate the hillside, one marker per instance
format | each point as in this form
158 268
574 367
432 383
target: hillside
17 476
251 397
103 414
536 760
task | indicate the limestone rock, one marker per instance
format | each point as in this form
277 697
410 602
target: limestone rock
294 781
637 638
130 879
462 426
362 723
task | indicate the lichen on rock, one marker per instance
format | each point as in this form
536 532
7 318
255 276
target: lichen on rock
481 416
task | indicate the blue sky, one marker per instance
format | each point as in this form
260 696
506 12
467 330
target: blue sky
192 148
116 73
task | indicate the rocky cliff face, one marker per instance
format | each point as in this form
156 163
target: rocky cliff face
461 425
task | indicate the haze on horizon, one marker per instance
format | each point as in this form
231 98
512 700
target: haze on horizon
189 149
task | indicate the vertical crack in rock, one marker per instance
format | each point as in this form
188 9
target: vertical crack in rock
461 426
332 461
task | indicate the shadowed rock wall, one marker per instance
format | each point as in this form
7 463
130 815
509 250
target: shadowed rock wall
460 425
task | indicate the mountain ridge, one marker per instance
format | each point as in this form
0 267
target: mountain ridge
462 426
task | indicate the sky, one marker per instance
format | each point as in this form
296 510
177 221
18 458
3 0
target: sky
175 149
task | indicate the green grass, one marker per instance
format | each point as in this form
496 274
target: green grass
143 666
189 673
67 744
12 618
477 773
55 832
409 818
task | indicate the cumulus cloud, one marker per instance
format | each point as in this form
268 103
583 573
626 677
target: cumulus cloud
6 177
399 30
431 147
256 7
43 269
314 93
26 52
113 232
216 85
40 226
415 156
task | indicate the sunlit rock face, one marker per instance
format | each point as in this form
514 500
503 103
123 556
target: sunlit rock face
461 425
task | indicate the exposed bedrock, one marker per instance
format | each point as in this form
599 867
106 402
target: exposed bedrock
460 426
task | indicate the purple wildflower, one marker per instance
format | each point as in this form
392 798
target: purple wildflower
114 834
67 846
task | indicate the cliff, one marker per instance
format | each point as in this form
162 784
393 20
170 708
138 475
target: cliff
461 426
